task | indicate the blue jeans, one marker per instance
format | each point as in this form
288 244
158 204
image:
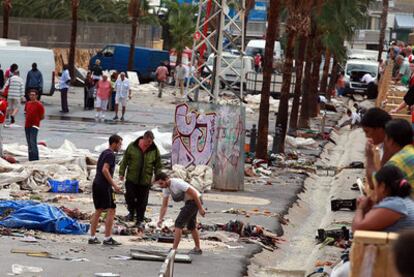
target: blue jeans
31 137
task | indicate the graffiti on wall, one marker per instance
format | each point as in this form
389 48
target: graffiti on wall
193 136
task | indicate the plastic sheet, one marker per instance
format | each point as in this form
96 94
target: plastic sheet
39 216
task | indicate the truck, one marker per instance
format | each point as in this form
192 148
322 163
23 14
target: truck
11 52
146 60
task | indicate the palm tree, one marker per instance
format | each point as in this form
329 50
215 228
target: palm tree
271 35
324 80
6 13
71 60
384 17
133 12
293 123
182 24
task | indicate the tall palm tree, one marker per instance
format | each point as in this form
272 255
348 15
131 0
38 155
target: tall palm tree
133 12
271 35
384 17
325 74
6 13
182 24
72 49
294 20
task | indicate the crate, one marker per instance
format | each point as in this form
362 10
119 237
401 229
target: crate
67 186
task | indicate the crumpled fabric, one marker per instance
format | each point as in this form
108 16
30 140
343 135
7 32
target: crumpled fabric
38 216
200 176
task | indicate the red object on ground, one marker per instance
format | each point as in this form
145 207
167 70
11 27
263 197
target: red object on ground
42 143
10 159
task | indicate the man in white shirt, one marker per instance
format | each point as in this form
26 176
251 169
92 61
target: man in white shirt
64 87
354 119
181 191
367 78
123 91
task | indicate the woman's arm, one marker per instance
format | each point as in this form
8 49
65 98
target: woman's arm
376 219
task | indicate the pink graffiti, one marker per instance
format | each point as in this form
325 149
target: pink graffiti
193 138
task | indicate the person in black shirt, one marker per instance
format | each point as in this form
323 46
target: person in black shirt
103 189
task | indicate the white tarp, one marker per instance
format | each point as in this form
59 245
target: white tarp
301 142
200 176
162 140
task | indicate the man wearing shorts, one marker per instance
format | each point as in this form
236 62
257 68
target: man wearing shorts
122 92
103 194
15 94
181 191
104 90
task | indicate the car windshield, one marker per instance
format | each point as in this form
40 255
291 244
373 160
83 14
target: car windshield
252 51
372 69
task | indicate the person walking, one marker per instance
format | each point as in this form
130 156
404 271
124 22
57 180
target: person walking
15 94
97 71
161 74
7 75
34 80
64 87
103 92
180 73
123 91
103 192
141 160
3 112
89 90
35 112
181 191
258 62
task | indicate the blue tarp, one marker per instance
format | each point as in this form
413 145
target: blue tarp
39 216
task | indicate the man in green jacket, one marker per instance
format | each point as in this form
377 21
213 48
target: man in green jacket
140 162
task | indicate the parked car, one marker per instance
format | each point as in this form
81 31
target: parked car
255 46
355 70
232 75
11 52
146 60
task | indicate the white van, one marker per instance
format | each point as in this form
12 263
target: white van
258 46
24 57
232 75
355 70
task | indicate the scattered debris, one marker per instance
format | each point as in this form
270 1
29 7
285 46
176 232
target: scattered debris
20 269
338 204
200 176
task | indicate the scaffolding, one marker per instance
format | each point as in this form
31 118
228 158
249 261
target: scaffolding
220 27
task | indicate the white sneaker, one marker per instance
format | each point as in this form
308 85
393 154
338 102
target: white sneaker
103 117
97 115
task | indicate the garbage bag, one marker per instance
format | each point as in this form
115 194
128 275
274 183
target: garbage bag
39 216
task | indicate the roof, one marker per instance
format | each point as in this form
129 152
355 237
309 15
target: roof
404 21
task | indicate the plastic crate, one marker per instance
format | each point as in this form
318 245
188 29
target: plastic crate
67 186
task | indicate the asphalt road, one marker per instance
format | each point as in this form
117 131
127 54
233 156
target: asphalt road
80 127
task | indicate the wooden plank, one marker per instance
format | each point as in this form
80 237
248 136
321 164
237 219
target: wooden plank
402 116
370 237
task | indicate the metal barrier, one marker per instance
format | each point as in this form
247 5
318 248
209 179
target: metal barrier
167 268
254 82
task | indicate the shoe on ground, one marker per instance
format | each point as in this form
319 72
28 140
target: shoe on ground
115 118
122 118
94 241
140 225
111 242
129 217
195 251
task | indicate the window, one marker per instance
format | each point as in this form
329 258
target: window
108 51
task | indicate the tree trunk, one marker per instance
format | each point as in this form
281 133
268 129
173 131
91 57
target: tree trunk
6 14
271 34
334 75
72 50
293 124
314 84
325 75
282 114
383 27
304 108
131 55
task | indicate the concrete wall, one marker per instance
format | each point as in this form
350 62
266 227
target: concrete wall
213 135
56 33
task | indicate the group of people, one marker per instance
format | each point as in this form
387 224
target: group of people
100 89
15 92
388 204
140 164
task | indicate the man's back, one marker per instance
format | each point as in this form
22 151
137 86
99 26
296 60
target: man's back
404 160
16 88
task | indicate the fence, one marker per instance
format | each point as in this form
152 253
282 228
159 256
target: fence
254 82
50 33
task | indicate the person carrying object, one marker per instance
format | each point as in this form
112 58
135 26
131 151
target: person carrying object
181 191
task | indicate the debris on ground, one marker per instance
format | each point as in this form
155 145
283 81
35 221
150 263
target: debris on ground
21 269
200 176
38 216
